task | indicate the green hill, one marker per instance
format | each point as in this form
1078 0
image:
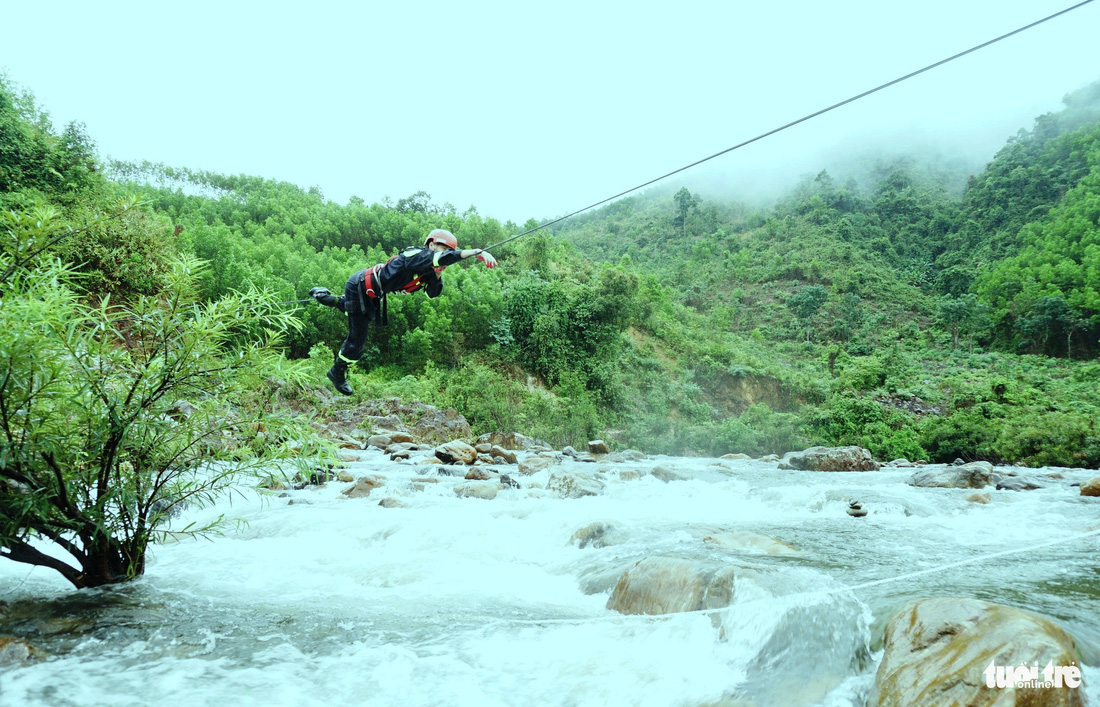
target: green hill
918 312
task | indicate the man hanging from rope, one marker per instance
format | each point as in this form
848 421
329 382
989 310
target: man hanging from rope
364 295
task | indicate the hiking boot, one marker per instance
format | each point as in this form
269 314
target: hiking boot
336 375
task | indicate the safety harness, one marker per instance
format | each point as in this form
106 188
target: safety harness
372 282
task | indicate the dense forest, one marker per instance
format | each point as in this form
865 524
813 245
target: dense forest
920 313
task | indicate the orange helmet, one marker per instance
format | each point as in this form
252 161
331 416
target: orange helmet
440 236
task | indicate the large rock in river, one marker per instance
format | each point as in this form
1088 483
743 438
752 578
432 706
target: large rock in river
363 486
456 451
598 446
664 585
974 475
937 651
574 484
1091 487
16 651
478 489
533 465
830 459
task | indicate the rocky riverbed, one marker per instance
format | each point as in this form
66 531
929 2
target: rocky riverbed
500 571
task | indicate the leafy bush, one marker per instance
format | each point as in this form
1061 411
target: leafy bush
968 434
95 449
849 420
1053 438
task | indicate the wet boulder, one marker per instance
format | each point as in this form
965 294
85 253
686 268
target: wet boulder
577 456
598 534
486 490
830 459
1091 487
396 447
380 441
574 484
506 454
15 651
456 451
598 446
533 465
363 486
974 475
794 627
665 585
856 509
666 474
939 650
1018 483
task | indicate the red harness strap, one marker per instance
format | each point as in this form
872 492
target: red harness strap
370 281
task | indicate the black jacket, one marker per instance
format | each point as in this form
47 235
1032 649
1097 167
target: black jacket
401 272
408 271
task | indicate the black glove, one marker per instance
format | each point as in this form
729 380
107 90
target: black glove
318 292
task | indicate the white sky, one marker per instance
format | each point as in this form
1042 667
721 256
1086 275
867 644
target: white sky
534 110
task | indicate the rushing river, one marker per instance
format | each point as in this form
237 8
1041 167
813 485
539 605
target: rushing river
451 600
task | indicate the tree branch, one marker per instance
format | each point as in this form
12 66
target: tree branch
63 503
59 539
20 551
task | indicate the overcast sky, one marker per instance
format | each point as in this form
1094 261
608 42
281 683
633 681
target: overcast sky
534 110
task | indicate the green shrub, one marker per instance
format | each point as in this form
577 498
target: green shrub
863 373
967 434
1053 439
850 420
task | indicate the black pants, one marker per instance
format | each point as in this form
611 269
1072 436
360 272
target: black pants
361 310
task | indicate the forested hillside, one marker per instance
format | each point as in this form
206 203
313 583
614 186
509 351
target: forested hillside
888 311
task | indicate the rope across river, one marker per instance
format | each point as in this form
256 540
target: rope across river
796 595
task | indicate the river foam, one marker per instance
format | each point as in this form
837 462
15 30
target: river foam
452 600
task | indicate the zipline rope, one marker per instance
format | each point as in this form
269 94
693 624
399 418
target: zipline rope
793 123
793 595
